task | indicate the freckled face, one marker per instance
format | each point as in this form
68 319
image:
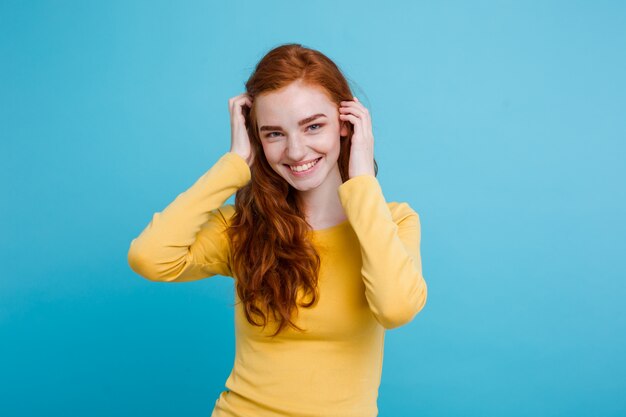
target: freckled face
299 129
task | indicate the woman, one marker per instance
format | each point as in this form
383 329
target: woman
322 263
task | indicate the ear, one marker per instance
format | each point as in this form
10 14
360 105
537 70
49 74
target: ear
344 129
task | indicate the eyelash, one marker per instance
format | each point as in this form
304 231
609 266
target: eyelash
269 135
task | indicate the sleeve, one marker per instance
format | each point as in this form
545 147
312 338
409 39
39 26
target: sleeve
391 263
187 241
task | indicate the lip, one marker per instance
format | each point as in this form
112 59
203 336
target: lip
305 162
308 171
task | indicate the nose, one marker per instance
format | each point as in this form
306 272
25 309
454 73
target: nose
296 149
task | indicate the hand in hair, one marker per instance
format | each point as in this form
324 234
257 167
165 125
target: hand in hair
239 139
362 146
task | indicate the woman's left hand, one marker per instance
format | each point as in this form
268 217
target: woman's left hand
362 148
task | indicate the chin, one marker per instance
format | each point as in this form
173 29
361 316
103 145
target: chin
302 187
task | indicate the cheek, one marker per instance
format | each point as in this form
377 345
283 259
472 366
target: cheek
329 143
334 145
272 152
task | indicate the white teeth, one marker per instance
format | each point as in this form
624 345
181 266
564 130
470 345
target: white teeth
304 167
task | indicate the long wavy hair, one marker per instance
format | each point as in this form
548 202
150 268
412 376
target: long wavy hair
273 258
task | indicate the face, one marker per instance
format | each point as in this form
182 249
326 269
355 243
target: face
299 128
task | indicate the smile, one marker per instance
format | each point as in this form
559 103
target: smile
305 168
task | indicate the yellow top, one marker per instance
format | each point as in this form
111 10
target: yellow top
370 280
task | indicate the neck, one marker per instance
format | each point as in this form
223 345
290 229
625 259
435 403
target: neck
322 206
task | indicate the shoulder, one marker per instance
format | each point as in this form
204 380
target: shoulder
226 212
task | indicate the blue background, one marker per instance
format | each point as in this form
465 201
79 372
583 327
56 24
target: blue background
502 123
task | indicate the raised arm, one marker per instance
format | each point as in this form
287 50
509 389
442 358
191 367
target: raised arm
390 248
187 240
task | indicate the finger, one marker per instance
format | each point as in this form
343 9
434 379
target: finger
354 120
356 103
244 100
238 99
239 102
362 113
361 128
353 104
354 110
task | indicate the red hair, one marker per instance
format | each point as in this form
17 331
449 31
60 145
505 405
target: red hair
273 259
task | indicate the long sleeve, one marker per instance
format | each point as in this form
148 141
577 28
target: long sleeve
391 263
187 240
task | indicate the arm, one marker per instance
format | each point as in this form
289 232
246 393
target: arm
187 241
392 269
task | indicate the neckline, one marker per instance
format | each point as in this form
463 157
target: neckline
330 228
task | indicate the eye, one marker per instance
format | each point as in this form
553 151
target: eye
269 135
317 124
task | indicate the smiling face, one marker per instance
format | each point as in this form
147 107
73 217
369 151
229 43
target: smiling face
299 128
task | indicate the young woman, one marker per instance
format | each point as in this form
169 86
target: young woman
322 264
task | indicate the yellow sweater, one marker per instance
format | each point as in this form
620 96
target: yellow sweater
370 280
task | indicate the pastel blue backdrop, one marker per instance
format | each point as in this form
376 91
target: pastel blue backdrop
502 123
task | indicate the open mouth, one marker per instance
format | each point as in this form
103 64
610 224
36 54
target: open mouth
301 169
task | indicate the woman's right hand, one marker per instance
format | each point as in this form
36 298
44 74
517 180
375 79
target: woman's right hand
239 139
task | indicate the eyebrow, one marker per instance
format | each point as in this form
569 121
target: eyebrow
300 123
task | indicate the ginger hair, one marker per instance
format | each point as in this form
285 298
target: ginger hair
272 256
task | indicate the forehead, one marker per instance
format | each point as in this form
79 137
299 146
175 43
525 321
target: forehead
292 103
